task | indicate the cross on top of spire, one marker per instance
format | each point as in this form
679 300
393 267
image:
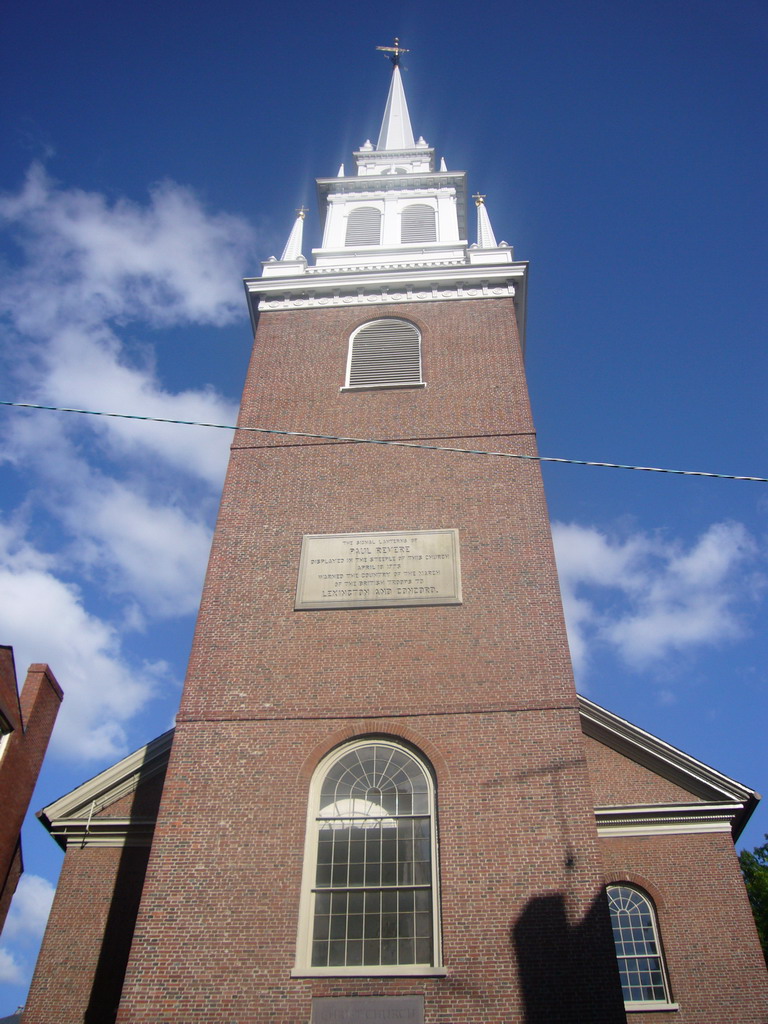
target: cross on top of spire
393 52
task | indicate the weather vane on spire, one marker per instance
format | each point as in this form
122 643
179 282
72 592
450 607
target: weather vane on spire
393 52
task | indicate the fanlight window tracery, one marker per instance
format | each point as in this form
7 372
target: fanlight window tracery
638 950
373 885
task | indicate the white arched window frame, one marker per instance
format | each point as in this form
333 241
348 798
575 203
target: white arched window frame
643 972
418 223
363 227
384 354
370 899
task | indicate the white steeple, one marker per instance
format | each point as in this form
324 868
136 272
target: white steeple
396 131
485 236
394 230
292 250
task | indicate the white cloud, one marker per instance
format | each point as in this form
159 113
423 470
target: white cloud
87 369
155 552
166 262
646 597
11 971
30 908
89 269
46 620
119 511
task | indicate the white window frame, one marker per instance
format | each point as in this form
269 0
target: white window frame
304 968
420 383
644 1005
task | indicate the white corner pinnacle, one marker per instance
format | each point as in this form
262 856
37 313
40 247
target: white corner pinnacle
293 246
396 131
485 236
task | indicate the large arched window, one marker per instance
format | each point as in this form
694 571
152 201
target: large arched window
364 226
370 904
417 223
638 949
384 353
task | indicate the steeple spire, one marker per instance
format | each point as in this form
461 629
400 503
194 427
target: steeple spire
396 131
292 249
485 236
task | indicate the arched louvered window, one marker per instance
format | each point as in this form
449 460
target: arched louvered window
384 353
638 949
364 226
417 223
370 905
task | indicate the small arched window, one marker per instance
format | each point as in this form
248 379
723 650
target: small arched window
638 948
417 223
370 904
384 353
364 226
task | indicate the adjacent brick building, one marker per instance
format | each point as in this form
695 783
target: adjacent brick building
26 723
383 800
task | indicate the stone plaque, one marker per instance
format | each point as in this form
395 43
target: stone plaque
379 570
368 1010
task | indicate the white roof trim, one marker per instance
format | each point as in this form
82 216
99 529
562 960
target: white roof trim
669 762
74 814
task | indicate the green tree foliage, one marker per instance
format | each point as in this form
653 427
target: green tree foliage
754 867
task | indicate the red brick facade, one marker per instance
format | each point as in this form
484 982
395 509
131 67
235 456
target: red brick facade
483 689
715 966
80 969
26 724
716 969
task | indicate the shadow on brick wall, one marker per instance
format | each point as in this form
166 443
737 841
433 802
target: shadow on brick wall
567 973
118 934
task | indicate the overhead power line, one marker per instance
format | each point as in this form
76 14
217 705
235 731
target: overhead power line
396 444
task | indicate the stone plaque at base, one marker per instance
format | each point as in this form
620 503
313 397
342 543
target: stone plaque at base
379 570
368 1010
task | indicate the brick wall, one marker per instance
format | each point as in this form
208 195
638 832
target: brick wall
716 969
484 689
617 781
79 972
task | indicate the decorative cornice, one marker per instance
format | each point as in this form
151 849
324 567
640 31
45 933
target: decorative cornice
668 819
386 294
378 285
114 832
388 267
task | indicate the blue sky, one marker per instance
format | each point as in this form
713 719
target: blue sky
155 153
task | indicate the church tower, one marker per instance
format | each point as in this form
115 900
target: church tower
377 805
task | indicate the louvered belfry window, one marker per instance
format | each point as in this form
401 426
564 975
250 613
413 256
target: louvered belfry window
417 224
364 226
384 353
